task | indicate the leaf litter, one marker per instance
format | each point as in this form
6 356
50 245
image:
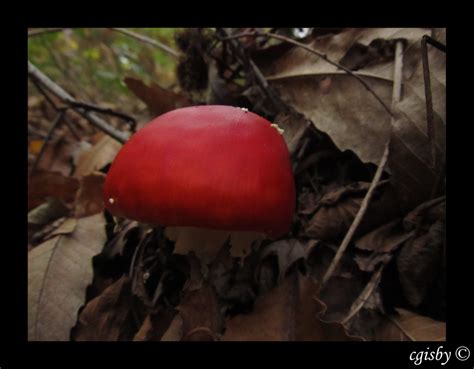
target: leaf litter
146 283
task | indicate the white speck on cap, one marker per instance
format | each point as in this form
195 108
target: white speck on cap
244 109
280 131
111 200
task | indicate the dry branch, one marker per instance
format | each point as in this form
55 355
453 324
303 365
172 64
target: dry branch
58 91
149 41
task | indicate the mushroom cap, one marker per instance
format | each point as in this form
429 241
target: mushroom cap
211 166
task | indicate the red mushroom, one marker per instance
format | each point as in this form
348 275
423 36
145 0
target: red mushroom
217 167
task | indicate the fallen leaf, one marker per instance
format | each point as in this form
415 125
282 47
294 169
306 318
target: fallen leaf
272 318
67 227
44 184
351 116
59 226
409 326
382 242
233 280
175 331
287 253
96 157
58 155
206 243
106 317
419 262
160 326
158 99
338 208
89 196
294 127
59 271
288 312
47 212
200 314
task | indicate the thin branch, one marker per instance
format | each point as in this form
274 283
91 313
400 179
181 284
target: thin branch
364 295
248 63
37 32
55 124
99 109
56 90
428 96
148 40
68 122
396 96
316 52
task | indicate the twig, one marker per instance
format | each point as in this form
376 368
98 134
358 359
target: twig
99 109
55 124
428 96
37 32
149 41
34 132
68 122
248 63
364 295
396 96
316 52
55 89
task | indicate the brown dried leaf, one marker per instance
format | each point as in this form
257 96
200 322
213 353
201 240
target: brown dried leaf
175 331
44 184
58 155
96 157
158 327
272 318
409 326
287 252
351 116
286 313
200 314
206 243
89 196
338 208
157 99
294 127
47 212
383 242
106 317
59 270
420 261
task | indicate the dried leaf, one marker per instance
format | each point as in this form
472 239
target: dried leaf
294 127
58 155
272 318
338 208
43 184
383 242
157 99
59 271
286 313
160 326
356 121
89 199
287 253
200 314
233 281
206 243
96 157
175 330
48 212
409 326
106 317
419 262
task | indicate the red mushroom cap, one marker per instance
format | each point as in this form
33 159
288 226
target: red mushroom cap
218 167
